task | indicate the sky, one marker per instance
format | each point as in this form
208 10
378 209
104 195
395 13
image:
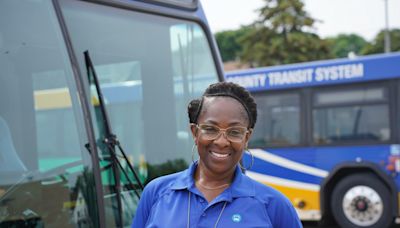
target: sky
363 17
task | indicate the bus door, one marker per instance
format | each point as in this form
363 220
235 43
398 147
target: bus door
46 177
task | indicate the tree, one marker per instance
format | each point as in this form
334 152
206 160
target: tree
283 34
343 44
378 44
229 43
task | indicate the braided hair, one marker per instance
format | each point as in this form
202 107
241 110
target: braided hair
227 89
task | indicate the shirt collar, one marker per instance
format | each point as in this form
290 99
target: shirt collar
185 178
241 186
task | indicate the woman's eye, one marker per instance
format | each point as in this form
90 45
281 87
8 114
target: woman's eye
235 132
210 129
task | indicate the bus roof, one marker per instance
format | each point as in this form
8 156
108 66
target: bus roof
326 72
187 4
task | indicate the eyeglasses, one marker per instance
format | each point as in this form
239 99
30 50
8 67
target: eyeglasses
212 132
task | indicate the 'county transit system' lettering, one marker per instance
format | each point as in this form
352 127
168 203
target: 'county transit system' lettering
300 76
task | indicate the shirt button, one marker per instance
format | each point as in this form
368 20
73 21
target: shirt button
201 201
204 215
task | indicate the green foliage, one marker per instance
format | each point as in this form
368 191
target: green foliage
168 167
229 43
84 185
343 44
285 16
378 44
282 35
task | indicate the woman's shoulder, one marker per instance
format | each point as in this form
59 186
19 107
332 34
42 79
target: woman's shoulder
267 194
277 206
163 182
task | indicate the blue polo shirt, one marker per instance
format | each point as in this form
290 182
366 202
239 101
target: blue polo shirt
164 203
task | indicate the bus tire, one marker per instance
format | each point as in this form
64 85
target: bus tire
361 200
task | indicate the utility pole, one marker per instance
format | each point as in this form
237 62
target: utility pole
387 35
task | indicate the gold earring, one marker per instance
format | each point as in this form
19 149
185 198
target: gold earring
252 161
193 151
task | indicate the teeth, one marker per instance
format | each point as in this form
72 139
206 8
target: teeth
219 155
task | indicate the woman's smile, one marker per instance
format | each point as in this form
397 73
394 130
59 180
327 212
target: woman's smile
219 155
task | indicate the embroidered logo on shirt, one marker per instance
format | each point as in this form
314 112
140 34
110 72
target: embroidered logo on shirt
236 218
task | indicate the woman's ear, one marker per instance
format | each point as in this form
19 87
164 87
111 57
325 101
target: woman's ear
194 130
248 135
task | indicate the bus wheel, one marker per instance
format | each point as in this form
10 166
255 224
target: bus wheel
361 200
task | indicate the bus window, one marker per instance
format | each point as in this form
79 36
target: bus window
278 121
357 115
149 68
45 171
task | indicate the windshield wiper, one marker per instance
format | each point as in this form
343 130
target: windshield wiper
111 141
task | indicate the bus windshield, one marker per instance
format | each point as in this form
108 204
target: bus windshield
150 64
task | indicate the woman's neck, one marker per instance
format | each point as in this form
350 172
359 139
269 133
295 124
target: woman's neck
210 179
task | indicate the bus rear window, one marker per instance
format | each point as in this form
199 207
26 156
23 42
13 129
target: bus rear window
357 115
350 96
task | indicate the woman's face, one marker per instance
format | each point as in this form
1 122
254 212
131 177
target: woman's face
220 155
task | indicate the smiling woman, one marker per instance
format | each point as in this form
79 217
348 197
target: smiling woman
213 191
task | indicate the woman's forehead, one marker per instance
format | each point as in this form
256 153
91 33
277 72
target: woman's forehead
223 106
227 102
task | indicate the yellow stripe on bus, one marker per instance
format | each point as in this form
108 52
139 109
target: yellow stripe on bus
52 99
295 195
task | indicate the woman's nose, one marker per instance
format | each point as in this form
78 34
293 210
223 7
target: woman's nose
222 140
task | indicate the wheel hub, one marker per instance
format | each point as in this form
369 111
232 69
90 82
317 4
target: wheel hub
362 205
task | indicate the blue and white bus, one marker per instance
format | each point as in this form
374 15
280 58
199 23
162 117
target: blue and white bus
328 137
56 168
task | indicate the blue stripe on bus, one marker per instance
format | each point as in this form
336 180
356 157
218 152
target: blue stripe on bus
131 91
324 158
267 168
327 157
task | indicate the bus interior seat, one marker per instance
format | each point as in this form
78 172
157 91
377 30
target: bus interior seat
9 159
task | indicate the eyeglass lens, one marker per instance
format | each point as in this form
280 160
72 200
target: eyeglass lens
233 134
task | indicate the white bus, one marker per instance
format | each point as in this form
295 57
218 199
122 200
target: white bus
151 57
